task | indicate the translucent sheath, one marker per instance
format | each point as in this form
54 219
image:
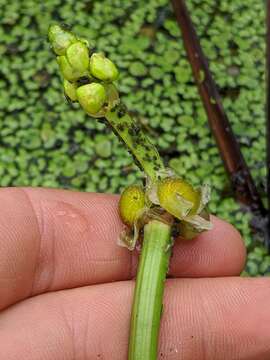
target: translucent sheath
147 300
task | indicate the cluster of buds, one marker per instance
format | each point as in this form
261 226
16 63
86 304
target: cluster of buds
88 78
169 195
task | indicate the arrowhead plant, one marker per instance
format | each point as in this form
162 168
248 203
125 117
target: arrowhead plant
149 212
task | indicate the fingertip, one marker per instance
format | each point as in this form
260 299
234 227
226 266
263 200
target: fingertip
217 252
232 244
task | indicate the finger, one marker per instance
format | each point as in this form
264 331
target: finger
217 319
55 239
219 252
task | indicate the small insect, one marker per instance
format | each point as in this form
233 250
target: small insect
113 109
65 26
120 127
69 100
83 80
121 110
91 51
134 130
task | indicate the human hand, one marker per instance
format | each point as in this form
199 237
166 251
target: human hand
66 286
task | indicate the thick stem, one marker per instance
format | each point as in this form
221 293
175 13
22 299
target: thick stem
147 301
144 152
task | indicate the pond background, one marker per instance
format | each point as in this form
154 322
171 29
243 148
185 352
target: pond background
44 141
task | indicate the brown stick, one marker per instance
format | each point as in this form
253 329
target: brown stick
268 107
229 148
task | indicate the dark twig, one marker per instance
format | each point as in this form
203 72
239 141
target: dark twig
241 179
268 106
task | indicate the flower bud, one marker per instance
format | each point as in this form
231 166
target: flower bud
60 39
112 95
132 203
189 230
70 90
91 97
178 197
78 56
85 41
102 68
66 70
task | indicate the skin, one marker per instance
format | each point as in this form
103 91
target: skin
66 287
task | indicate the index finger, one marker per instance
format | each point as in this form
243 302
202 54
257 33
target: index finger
58 239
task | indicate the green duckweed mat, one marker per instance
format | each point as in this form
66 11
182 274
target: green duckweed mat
47 142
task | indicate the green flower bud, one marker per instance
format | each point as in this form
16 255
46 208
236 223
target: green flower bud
102 68
188 231
68 72
112 95
60 39
92 97
132 204
66 69
70 90
85 41
78 56
178 197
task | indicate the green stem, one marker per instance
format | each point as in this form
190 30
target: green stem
140 146
147 303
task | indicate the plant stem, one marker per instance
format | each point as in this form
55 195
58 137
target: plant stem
241 179
240 176
144 152
268 110
147 301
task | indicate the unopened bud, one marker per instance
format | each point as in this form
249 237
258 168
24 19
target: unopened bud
91 97
132 204
78 56
68 72
70 90
102 68
60 39
178 197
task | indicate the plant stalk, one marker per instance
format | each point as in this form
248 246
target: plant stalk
139 145
243 184
147 300
240 176
268 110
